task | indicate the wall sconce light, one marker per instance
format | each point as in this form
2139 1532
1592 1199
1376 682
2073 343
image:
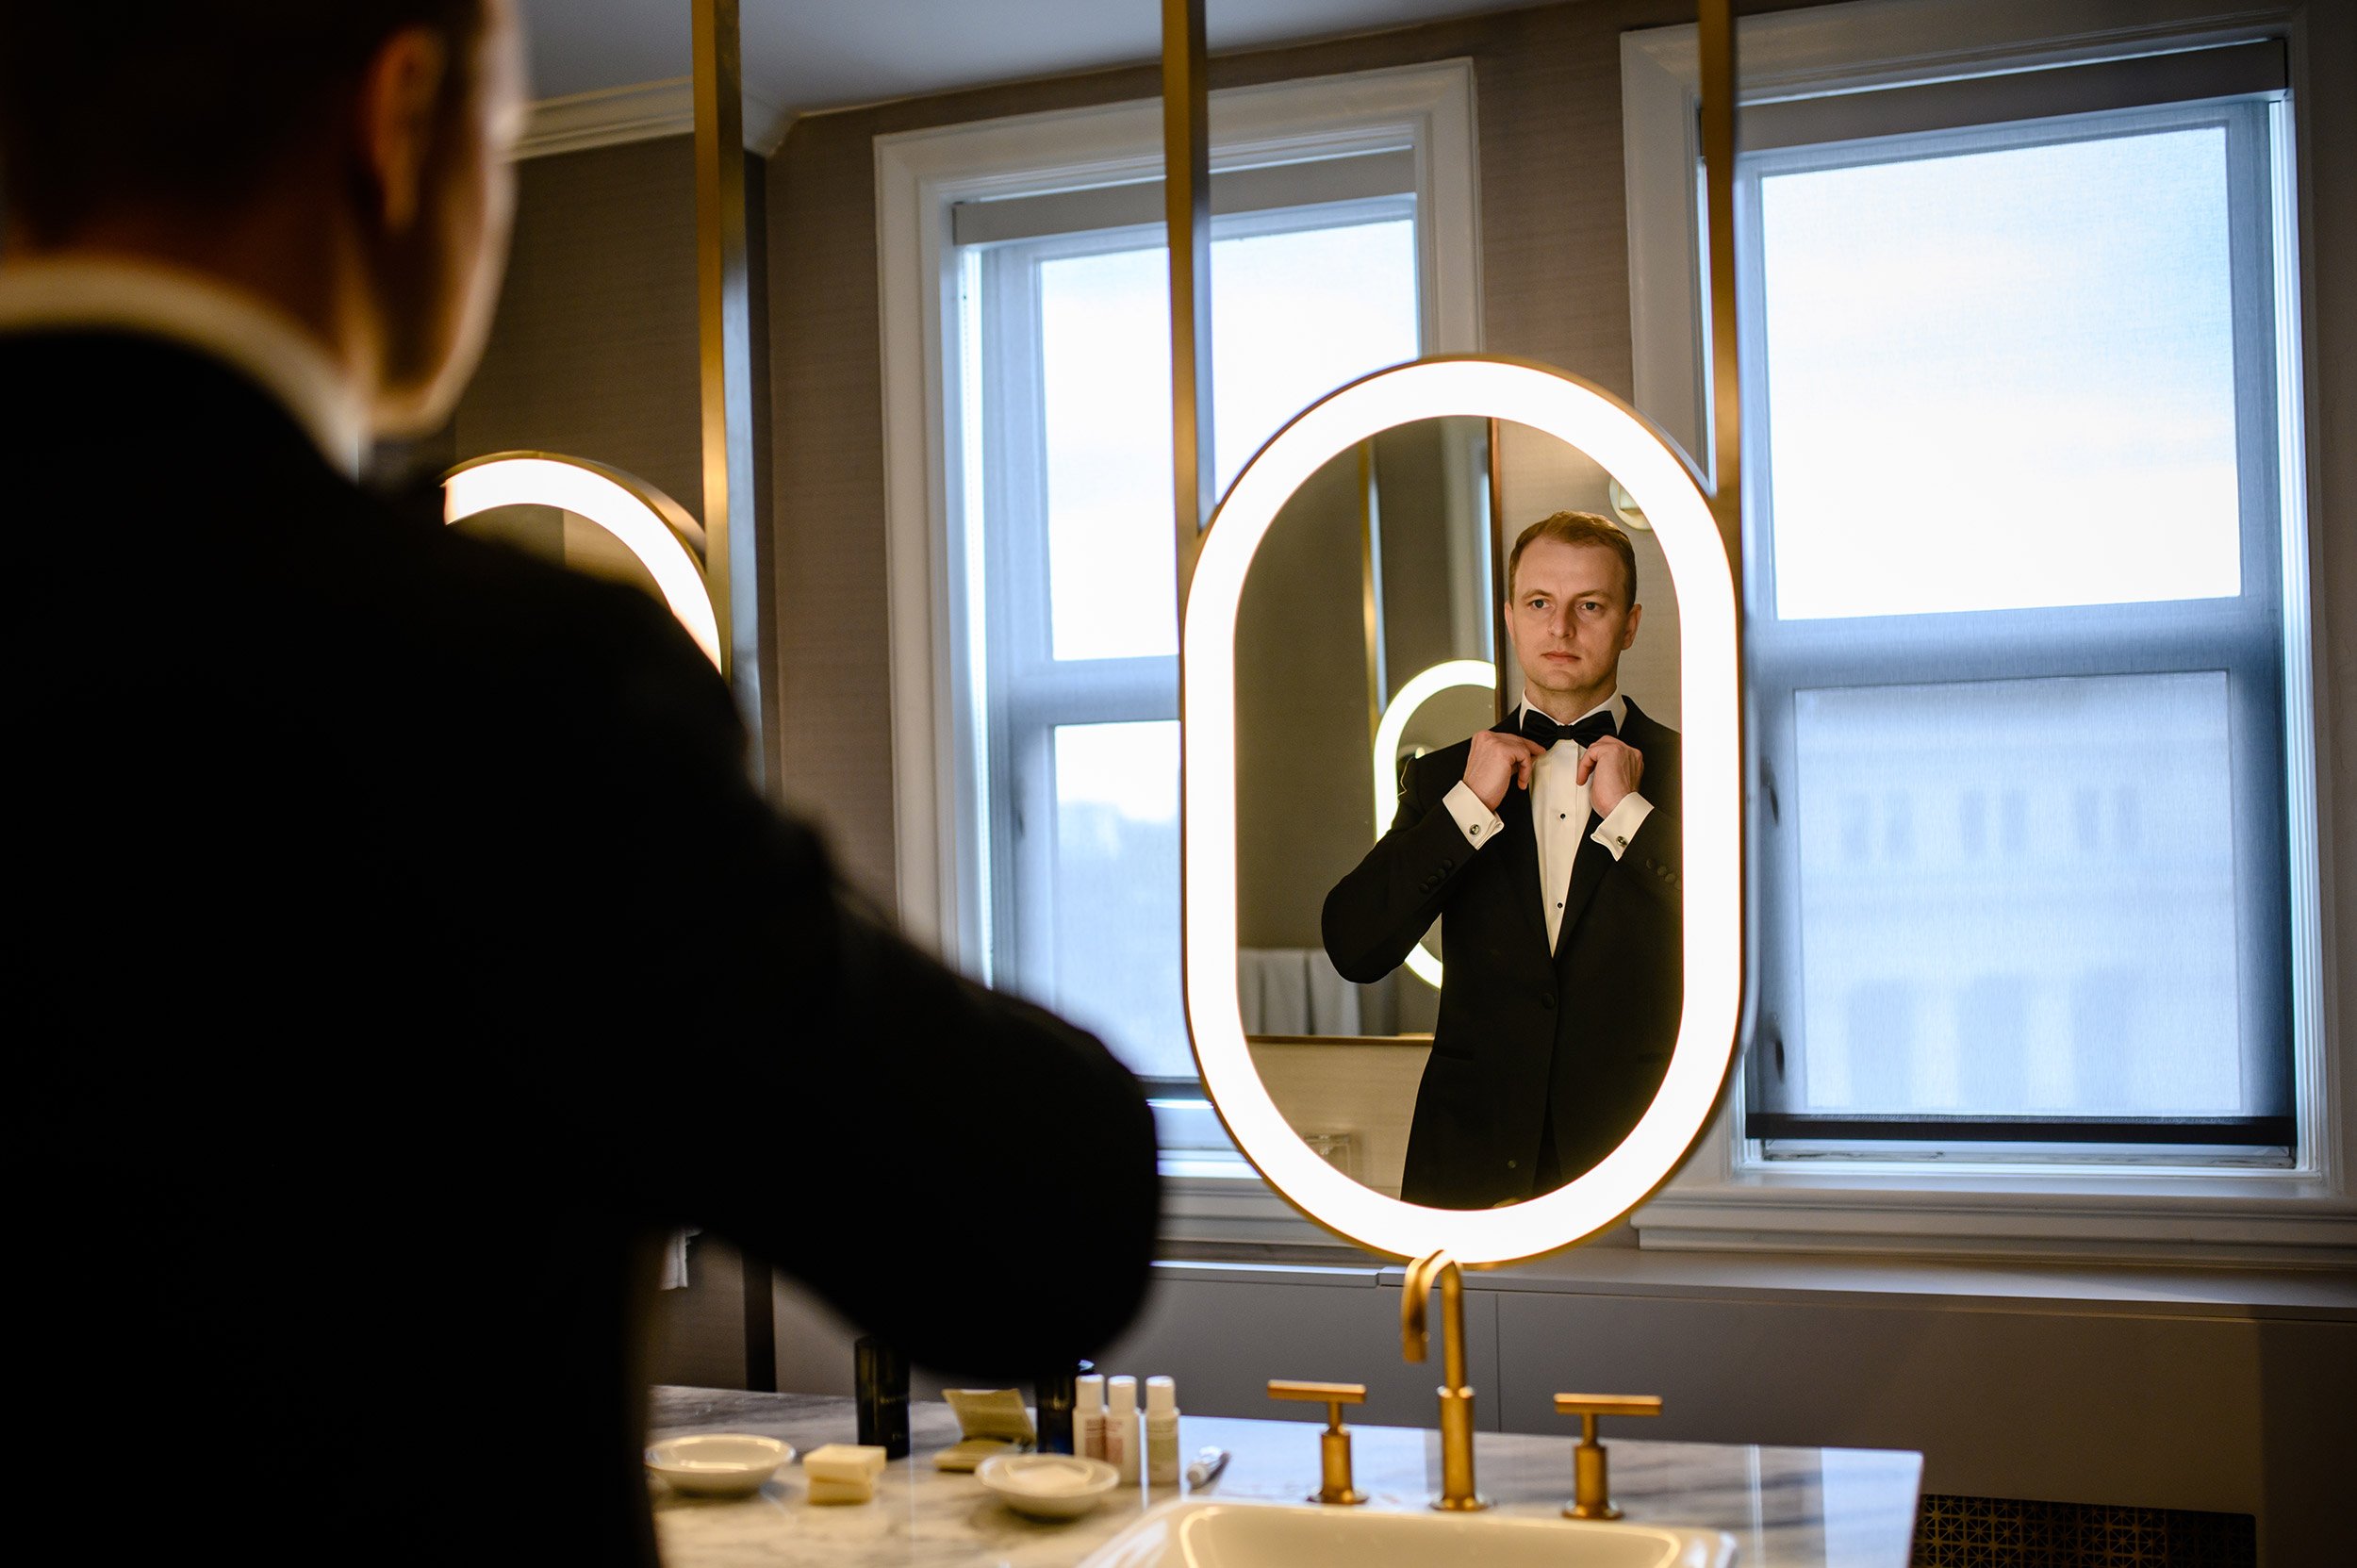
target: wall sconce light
1478 673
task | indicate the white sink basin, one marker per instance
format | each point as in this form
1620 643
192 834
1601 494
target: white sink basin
1207 1534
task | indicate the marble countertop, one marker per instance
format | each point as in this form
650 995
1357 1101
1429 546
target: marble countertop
1786 1507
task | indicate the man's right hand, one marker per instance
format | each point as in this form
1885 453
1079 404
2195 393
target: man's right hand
1499 761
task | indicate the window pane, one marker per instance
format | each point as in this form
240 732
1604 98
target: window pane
1115 893
2018 897
2003 379
1105 364
1293 316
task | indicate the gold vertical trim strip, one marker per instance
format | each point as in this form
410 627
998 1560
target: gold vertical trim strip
1187 219
1715 37
724 345
1499 544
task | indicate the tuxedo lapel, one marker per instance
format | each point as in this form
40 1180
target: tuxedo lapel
1521 849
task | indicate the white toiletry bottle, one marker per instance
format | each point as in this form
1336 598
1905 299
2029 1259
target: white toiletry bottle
1088 1419
1121 1428
1162 1432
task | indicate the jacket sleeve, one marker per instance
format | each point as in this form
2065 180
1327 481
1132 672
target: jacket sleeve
1654 861
1383 907
846 1101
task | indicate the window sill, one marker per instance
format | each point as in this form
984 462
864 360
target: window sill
2270 1219
1216 1207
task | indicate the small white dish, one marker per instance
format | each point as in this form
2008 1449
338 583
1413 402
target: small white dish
717 1465
1047 1486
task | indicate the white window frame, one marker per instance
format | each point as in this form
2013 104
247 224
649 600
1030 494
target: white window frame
1729 1197
1029 693
920 177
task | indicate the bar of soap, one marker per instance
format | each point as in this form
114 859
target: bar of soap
964 1456
826 1491
846 1463
998 1413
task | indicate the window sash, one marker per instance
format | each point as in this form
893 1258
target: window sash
1138 204
2241 636
1026 693
2168 79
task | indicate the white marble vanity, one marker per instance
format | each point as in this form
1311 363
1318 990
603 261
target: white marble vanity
1786 1507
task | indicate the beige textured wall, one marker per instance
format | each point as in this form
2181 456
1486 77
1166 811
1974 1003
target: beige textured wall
593 351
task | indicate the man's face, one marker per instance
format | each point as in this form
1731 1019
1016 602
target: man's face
1570 617
442 278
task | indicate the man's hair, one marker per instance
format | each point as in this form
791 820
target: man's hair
1578 528
108 103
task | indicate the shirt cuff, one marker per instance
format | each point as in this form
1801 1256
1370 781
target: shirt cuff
1477 822
1615 830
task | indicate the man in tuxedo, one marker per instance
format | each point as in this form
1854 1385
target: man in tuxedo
1549 848
399 950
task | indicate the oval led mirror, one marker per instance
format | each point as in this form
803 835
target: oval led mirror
1344 626
628 529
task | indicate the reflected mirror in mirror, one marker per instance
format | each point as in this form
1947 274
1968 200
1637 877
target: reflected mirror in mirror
1458 946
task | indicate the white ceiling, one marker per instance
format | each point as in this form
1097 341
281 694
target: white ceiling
804 54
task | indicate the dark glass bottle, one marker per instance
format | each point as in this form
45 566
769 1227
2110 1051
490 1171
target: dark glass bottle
1053 1397
880 1376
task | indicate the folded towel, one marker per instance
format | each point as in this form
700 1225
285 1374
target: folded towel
1295 991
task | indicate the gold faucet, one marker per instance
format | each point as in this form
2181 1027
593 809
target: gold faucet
1335 1486
1458 1495
1591 1489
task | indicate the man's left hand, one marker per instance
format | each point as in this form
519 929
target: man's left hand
1611 770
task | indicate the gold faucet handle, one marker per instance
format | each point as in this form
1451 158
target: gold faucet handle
1592 1404
1332 1395
1591 1487
1334 1484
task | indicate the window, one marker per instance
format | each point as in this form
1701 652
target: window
2016 632
1065 357
1029 508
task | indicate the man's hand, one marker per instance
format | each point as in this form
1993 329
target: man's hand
1497 761
1610 768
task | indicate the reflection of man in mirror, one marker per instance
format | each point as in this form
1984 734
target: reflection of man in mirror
1551 843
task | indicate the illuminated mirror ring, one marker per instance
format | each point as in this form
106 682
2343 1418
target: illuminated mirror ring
650 524
1629 450
1479 674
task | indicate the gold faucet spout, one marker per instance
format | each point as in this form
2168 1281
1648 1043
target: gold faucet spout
1457 1492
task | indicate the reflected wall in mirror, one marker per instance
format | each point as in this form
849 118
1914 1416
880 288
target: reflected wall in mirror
1368 635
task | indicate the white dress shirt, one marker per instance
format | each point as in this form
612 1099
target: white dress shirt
1558 810
223 322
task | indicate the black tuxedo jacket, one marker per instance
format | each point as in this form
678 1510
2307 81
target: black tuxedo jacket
399 951
1583 1033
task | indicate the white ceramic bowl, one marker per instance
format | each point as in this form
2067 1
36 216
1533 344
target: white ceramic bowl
717 1465
1047 1486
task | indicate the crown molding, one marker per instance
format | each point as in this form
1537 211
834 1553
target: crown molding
643 112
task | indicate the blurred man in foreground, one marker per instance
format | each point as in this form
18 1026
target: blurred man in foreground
402 950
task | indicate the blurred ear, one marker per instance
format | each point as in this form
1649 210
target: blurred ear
399 93
1636 614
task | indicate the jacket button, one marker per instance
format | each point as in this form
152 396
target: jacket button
1447 865
1547 1003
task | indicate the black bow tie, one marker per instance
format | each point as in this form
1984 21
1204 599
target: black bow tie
1538 727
